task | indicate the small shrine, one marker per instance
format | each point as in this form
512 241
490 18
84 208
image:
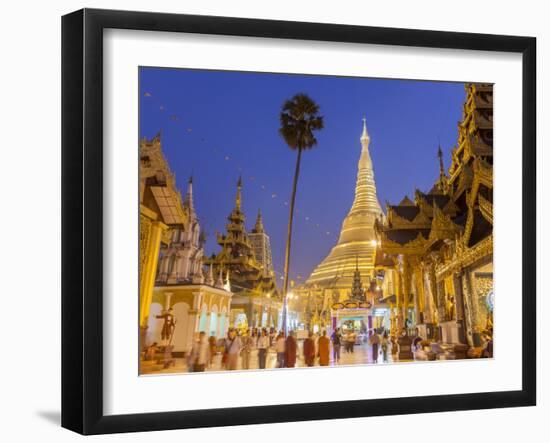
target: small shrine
355 312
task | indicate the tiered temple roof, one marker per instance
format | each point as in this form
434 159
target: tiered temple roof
236 257
459 204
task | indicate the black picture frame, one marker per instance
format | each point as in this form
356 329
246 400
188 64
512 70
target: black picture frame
82 219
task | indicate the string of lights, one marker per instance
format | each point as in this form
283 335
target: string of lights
272 194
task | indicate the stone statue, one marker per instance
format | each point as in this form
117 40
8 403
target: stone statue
168 326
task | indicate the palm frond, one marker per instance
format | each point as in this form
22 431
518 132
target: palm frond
299 118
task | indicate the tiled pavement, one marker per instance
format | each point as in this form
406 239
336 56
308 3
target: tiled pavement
362 355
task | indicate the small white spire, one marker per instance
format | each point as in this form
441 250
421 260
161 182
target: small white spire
210 277
219 281
189 198
227 284
365 134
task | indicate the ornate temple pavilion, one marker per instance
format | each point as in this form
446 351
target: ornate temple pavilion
437 251
256 301
357 242
171 249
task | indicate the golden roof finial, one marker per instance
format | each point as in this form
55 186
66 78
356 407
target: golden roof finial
238 197
259 226
440 156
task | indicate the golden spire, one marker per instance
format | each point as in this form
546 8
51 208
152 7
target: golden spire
355 249
442 182
238 196
365 187
441 167
259 226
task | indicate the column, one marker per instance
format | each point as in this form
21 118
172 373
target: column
393 320
269 316
167 300
150 235
399 299
472 317
250 314
406 285
441 308
428 301
459 306
459 296
417 291
193 320
433 290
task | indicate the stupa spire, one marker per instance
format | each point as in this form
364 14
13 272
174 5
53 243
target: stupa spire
365 134
365 188
355 251
259 226
238 197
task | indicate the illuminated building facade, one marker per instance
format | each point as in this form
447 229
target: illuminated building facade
261 246
172 278
436 252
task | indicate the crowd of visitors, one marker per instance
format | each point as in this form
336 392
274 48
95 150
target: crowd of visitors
251 347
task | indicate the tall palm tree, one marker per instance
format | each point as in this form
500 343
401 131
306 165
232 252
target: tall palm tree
299 119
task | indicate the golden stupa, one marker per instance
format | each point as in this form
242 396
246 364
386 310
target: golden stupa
356 245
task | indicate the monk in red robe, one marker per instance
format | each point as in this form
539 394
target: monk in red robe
309 350
290 350
324 349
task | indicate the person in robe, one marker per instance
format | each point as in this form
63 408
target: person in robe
351 340
384 343
309 350
263 346
151 351
336 342
232 350
374 341
290 350
212 342
280 345
200 354
247 343
324 349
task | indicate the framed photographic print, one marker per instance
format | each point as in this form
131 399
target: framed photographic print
269 221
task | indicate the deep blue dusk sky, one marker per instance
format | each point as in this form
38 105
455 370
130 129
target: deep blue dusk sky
217 125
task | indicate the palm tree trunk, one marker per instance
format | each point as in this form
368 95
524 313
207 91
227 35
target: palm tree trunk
289 239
